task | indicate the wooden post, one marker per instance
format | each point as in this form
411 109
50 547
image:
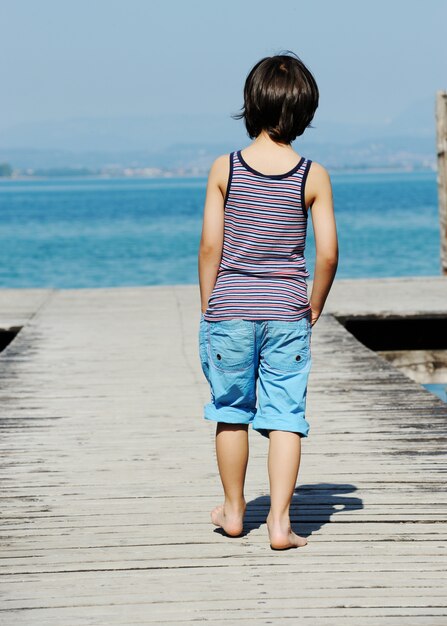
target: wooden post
441 141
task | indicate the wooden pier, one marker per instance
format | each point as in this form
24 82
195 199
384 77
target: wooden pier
108 472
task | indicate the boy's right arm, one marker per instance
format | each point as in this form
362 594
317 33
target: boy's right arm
319 192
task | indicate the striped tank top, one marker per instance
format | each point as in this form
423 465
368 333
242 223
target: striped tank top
262 273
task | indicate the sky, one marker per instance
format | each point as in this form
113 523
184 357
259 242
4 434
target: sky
105 58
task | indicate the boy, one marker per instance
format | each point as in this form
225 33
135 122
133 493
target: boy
256 321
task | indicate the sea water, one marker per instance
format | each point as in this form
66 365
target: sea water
88 232
74 233
439 389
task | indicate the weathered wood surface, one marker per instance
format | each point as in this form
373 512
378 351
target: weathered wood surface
17 306
108 475
423 366
441 149
424 296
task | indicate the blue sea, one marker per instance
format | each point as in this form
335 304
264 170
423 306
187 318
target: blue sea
113 232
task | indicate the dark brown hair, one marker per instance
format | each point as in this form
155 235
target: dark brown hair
280 97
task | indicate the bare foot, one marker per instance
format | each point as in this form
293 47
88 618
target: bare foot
282 536
232 522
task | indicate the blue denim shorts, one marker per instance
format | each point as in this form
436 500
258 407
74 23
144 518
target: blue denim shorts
257 372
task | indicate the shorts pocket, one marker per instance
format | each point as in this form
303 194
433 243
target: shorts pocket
287 348
230 344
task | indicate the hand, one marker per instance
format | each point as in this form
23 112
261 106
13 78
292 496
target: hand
314 316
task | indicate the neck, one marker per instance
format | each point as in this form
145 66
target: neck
264 140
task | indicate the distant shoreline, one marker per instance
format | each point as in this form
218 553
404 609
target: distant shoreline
332 171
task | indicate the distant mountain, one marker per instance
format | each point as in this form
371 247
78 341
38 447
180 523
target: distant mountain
185 141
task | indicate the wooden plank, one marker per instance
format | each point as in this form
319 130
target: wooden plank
17 306
108 475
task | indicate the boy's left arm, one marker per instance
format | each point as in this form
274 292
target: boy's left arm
211 242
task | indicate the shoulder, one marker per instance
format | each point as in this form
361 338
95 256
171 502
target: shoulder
317 178
221 164
318 183
220 171
318 172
